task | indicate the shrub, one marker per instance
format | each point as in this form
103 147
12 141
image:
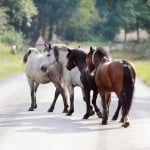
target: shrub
11 38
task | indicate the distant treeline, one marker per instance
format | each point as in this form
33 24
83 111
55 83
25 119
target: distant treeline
73 20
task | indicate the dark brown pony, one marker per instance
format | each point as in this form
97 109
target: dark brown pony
112 76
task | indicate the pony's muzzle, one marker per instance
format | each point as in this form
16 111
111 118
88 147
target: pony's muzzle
43 68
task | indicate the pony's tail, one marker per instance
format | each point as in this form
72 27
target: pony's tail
128 89
25 58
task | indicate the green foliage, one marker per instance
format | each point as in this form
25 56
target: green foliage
79 26
143 70
11 38
53 15
19 13
3 20
79 20
139 54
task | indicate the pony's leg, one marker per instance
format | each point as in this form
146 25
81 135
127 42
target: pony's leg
32 92
105 107
54 100
125 118
71 93
89 108
115 116
64 97
59 90
97 110
108 97
36 85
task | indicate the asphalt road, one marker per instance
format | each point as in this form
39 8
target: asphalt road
24 130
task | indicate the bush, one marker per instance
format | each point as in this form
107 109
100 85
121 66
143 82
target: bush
11 38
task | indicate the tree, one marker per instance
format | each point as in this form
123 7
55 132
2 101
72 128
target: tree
80 25
114 14
19 13
3 20
53 14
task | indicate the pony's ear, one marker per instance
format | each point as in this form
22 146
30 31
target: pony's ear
91 49
25 57
45 44
69 50
50 46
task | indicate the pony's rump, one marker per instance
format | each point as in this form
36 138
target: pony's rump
31 49
25 58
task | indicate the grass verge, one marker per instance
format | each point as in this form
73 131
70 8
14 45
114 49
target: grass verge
142 65
10 63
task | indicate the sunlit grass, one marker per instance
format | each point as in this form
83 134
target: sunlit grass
142 65
9 63
143 70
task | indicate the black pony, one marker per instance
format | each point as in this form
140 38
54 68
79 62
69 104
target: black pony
77 58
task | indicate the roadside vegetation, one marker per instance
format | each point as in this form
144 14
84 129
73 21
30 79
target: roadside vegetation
10 63
139 54
21 22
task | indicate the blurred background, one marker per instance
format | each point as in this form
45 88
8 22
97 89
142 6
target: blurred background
122 26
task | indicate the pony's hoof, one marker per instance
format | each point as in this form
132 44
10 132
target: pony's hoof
126 124
114 118
121 120
31 109
86 116
69 113
65 110
92 113
35 106
50 109
104 122
99 114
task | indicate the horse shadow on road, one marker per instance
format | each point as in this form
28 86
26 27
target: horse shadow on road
53 123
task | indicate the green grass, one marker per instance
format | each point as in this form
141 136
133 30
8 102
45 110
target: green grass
9 64
143 70
142 65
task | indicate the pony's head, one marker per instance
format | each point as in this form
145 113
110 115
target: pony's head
70 57
48 57
47 47
102 53
89 60
28 53
52 55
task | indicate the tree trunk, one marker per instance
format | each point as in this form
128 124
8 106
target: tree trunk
50 37
125 39
137 30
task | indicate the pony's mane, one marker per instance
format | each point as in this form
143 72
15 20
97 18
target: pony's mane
102 52
29 51
79 52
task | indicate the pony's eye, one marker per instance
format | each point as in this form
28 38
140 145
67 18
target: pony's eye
48 55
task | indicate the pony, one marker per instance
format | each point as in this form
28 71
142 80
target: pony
57 53
35 76
112 76
77 58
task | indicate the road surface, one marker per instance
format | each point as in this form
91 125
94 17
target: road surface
22 130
